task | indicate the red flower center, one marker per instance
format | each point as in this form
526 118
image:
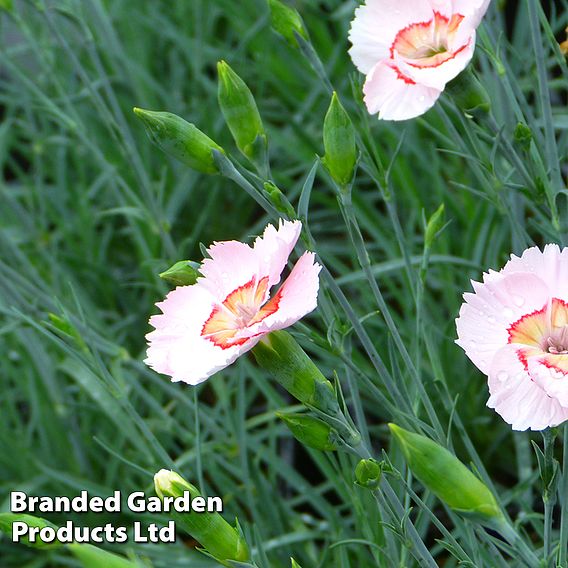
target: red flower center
544 332
427 44
239 311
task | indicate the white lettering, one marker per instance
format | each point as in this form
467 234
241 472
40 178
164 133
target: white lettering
19 529
18 502
136 503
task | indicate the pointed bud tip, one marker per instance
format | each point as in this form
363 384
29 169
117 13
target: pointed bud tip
140 112
396 430
182 273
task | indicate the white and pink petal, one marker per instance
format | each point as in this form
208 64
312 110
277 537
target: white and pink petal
297 296
550 264
394 96
550 372
176 346
377 24
274 248
473 10
231 264
487 316
438 75
519 400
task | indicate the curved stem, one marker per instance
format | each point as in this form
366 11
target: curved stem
359 244
563 543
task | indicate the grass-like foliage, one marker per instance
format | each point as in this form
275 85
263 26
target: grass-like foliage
91 212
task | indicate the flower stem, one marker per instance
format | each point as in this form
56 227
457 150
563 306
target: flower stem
551 148
548 491
563 543
363 257
387 496
512 536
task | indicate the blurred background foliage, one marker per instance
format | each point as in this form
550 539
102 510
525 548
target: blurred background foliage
91 212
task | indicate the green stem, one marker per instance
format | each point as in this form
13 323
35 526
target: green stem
563 543
359 244
420 551
420 286
551 148
228 170
548 496
506 530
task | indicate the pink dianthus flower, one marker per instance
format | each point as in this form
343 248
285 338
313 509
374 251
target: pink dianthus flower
410 49
207 326
514 328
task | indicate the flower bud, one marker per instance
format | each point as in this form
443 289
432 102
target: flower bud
280 201
287 22
368 473
7 521
180 139
435 223
241 114
523 135
280 355
311 432
217 536
66 329
182 273
339 143
469 94
446 476
93 557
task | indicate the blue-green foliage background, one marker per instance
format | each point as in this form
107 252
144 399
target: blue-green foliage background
91 212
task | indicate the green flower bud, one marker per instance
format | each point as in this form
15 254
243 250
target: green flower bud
339 143
446 476
310 431
7 521
241 114
523 135
216 535
287 21
368 473
180 139
182 273
93 557
280 355
67 330
435 223
280 201
469 94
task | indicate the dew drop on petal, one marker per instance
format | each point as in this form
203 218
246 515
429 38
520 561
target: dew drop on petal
518 300
502 376
508 312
